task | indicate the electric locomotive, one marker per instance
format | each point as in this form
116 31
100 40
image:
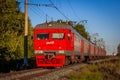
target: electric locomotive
58 44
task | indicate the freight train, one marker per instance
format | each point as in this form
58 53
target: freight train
58 44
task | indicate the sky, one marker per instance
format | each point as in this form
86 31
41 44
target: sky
103 16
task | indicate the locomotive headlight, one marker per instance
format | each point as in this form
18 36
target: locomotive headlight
38 52
61 51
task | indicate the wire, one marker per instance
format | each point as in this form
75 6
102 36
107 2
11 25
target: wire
73 10
43 11
38 10
59 10
34 11
35 4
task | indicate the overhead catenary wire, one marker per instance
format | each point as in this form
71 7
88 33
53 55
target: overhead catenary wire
47 5
35 4
73 10
43 12
32 8
59 10
35 9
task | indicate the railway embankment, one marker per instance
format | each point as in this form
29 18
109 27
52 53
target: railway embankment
108 70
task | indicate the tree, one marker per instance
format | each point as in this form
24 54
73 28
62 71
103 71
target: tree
12 31
81 30
118 50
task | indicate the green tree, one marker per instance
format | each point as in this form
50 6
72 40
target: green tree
118 50
81 30
12 31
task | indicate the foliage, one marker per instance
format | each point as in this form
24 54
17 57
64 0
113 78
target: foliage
118 50
81 30
12 31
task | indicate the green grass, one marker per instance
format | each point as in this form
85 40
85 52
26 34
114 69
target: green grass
106 71
87 73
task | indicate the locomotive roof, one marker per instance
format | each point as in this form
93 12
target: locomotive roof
56 25
52 25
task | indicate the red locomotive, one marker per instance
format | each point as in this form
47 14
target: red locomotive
58 44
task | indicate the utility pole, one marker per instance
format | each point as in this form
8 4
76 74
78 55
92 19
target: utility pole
26 35
46 18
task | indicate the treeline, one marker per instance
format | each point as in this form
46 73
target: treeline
12 31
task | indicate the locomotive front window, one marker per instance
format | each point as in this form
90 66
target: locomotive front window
57 36
42 36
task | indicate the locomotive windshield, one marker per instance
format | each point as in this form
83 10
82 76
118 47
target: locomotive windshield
42 36
57 36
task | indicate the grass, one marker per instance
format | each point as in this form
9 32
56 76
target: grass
105 71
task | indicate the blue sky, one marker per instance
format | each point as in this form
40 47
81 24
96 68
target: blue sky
103 16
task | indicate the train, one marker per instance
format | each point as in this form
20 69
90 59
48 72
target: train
58 44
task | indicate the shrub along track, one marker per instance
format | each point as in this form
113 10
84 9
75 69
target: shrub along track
48 74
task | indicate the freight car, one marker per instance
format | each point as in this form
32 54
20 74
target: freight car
58 44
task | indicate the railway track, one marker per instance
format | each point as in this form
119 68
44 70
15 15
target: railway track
19 75
48 74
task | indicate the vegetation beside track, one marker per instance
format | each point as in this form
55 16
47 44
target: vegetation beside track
15 65
101 71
